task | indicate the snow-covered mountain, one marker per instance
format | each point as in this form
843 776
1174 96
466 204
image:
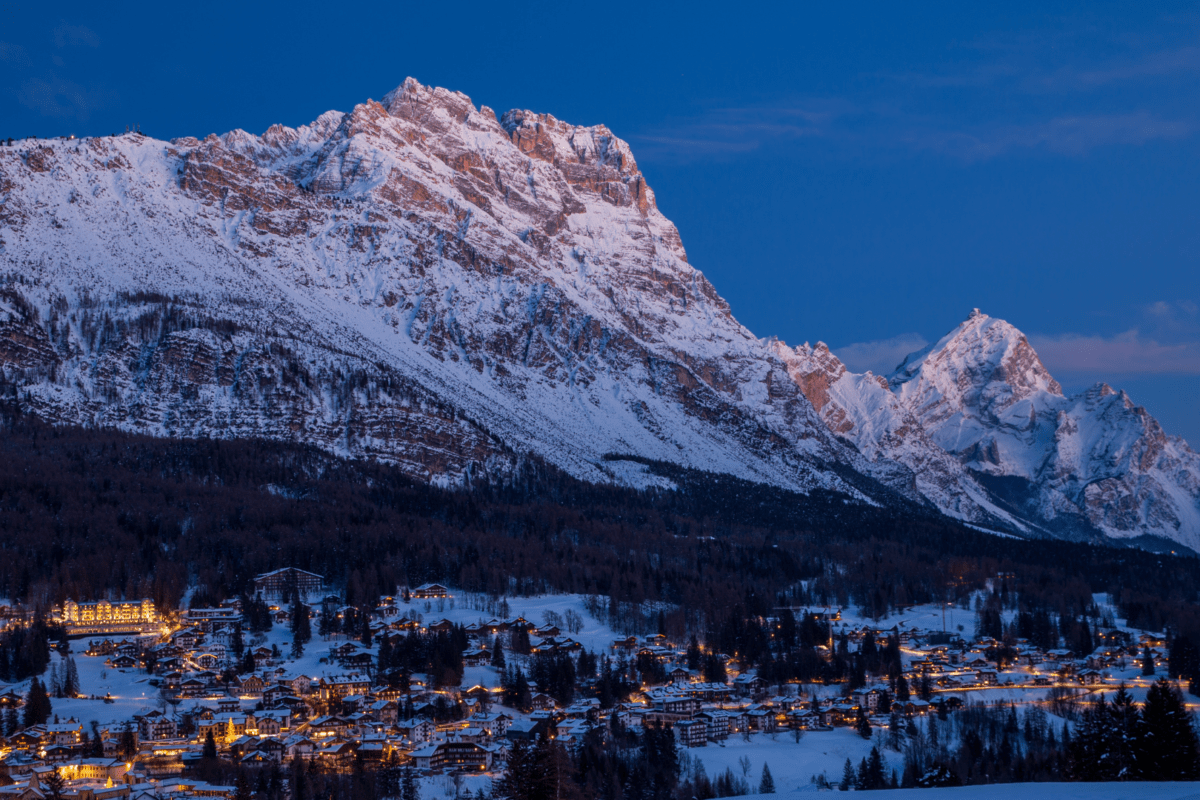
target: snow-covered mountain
993 440
983 395
417 281
425 283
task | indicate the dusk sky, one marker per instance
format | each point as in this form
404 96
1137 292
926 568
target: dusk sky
860 174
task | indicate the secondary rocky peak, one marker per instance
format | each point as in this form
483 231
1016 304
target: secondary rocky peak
430 106
981 352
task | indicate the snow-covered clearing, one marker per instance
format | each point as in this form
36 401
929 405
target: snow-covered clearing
1054 791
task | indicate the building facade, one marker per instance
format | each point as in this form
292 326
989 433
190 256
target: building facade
104 616
280 582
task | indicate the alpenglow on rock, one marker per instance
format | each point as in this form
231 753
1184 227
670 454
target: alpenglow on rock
989 433
416 281
424 283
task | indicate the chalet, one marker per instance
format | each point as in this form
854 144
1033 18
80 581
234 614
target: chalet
717 723
430 591
493 724
681 707
282 582
868 699
692 733
253 686
528 729
263 657
839 714
987 677
326 727
68 734
458 756
542 702
362 660
416 730
344 686
155 725
299 747
679 675
748 685
476 658
337 753
269 724
762 720
344 650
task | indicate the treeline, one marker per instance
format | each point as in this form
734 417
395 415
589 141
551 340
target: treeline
1116 740
86 514
25 650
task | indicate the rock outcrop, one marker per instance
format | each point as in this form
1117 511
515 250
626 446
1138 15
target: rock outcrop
425 283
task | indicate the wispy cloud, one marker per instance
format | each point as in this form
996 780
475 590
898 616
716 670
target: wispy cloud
13 54
1065 92
881 356
70 35
1180 61
56 97
1129 353
1067 135
723 131
1167 341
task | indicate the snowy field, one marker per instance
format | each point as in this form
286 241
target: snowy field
792 765
1050 791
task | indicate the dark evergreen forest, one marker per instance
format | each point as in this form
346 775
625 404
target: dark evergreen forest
91 513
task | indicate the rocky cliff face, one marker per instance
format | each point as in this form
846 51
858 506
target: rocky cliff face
1094 460
417 281
423 282
992 439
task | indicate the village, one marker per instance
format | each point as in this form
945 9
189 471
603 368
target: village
147 708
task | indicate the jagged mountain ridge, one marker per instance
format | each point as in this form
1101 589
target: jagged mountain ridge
980 417
417 281
425 283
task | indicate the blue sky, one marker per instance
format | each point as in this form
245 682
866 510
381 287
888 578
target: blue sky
858 173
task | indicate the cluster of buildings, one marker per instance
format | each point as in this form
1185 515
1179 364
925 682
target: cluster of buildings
274 714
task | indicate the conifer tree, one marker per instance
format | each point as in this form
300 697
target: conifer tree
71 686
410 787
863 725
848 778
1147 662
242 790
37 704
498 654
209 753
301 625
53 785
874 777
1167 742
767 784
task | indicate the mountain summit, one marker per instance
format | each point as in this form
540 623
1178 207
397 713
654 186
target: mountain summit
423 282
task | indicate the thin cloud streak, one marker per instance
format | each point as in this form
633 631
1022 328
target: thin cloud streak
1128 353
881 356
1071 136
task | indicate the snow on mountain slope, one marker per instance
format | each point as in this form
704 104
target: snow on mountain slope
416 281
422 282
982 394
864 410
